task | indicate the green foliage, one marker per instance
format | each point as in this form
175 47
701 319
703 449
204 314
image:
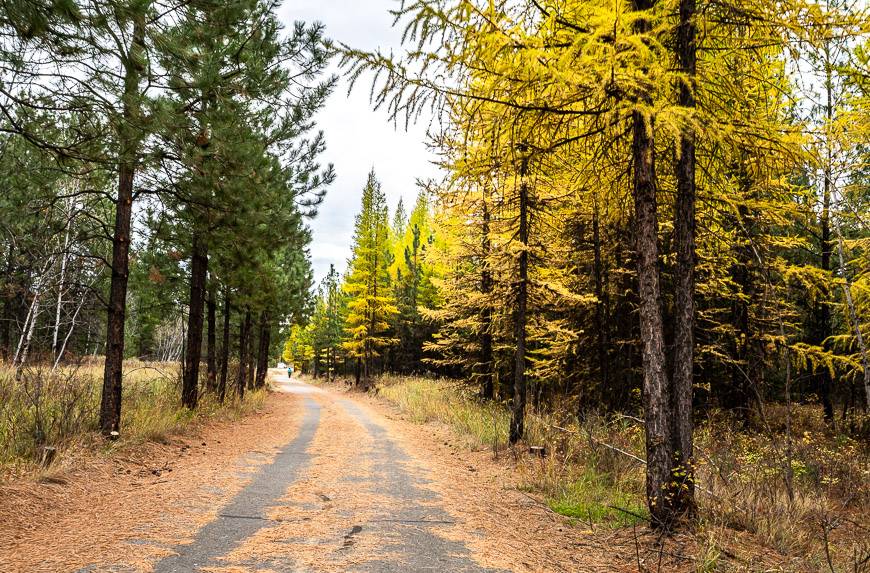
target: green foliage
593 499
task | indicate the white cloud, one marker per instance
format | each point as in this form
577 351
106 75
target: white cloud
358 138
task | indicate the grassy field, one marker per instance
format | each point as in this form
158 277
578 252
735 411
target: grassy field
41 408
806 498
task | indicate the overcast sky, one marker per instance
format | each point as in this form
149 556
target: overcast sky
357 137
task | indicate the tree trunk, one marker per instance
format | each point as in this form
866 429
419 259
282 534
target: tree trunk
823 374
110 403
487 387
242 378
193 354
211 342
29 327
225 349
8 301
601 325
55 339
684 297
518 404
736 394
263 354
250 369
656 395
69 332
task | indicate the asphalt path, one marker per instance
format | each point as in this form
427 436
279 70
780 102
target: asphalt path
405 531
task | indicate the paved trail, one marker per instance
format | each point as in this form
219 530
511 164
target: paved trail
344 495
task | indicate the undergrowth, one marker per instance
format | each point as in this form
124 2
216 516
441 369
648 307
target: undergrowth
593 473
41 408
482 425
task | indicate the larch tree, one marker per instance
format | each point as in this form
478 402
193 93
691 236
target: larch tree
371 304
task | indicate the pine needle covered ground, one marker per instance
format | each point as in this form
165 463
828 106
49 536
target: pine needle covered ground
592 474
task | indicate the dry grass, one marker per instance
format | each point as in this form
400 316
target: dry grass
744 503
482 425
42 408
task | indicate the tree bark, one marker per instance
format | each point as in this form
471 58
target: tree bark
487 387
263 354
684 296
225 349
823 374
193 354
211 341
110 403
242 378
29 327
251 366
656 395
60 289
601 325
518 404
8 301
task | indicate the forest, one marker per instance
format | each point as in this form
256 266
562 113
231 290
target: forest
645 270
651 208
148 150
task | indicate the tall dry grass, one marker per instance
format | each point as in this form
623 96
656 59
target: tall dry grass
41 408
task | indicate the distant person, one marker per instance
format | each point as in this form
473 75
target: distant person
290 372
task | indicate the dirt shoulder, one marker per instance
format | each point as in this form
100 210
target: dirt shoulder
506 528
133 506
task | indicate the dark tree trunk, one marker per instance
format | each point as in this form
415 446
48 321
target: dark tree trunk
656 395
487 386
211 342
737 396
8 301
623 374
823 374
684 297
601 325
518 404
251 366
263 354
128 140
358 371
244 330
193 354
225 349
369 366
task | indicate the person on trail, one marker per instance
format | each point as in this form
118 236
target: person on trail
289 371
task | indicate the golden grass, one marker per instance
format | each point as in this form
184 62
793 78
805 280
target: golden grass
481 424
60 409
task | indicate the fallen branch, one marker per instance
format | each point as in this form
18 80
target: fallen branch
600 443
